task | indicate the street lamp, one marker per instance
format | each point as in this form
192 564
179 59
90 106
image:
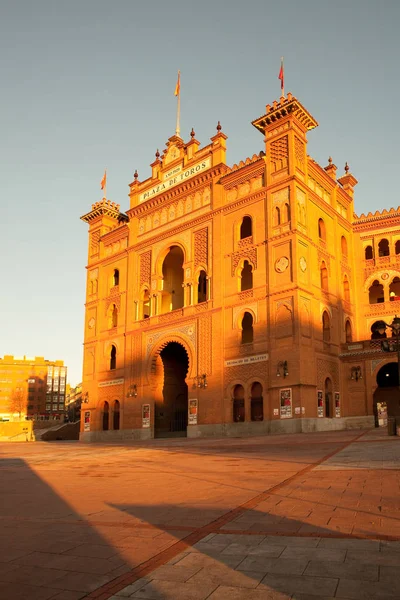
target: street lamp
132 391
391 345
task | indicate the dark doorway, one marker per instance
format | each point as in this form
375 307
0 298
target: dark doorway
171 415
116 414
328 398
387 393
106 415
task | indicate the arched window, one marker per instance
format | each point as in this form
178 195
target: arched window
348 331
344 246
247 328
146 304
397 247
172 270
286 213
394 289
324 277
328 398
246 281
376 294
383 248
113 358
368 253
116 277
326 327
256 402
378 330
202 287
114 316
346 289
321 230
246 228
238 404
116 415
106 416
277 216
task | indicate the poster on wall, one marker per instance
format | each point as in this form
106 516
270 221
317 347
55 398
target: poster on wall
86 421
320 404
145 415
337 404
192 411
286 403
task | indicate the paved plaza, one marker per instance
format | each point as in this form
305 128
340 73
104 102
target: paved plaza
303 516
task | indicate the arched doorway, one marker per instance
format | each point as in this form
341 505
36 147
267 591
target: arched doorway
171 412
387 394
116 415
106 415
328 398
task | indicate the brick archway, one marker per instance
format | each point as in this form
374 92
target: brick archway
170 366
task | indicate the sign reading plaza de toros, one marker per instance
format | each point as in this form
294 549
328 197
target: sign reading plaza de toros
174 177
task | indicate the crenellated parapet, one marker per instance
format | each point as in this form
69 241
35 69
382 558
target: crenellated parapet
283 108
104 208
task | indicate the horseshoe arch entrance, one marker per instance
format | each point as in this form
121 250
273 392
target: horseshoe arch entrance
171 407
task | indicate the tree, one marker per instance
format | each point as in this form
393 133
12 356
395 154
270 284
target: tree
18 402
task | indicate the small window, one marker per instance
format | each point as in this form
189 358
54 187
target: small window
383 248
247 328
286 213
114 316
202 287
376 293
246 228
146 304
368 253
344 246
321 230
246 277
346 289
326 327
116 277
277 216
113 358
349 333
324 277
397 247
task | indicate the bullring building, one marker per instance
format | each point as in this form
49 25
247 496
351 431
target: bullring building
240 300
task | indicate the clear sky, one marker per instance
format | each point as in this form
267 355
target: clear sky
89 84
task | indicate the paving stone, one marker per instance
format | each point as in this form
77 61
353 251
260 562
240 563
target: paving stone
323 586
232 538
366 590
222 575
342 570
350 544
174 590
239 549
273 565
287 540
234 593
324 554
194 559
374 558
174 573
133 587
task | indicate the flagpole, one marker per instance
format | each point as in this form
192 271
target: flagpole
178 107
283 77
105 185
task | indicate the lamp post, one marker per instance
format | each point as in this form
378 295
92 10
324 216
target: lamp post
388 345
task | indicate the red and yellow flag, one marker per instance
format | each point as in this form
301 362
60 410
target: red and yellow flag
281 75
103 181
178 85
